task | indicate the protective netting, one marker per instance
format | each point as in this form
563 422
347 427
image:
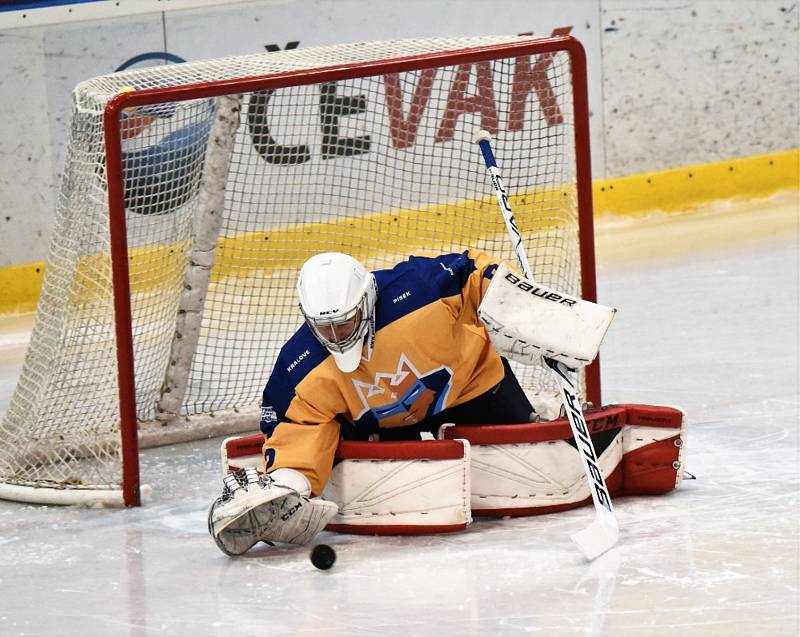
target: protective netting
379 166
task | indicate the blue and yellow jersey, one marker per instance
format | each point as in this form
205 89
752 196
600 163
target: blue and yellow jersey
430 352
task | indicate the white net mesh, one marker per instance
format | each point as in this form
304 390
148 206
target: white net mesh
379 166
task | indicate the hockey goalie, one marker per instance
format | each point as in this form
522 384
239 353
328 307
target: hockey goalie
418 351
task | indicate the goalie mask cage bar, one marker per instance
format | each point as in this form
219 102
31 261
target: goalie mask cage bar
192 194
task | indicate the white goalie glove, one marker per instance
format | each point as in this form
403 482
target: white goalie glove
526 320
254 508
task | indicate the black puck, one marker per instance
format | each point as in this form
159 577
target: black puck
323 556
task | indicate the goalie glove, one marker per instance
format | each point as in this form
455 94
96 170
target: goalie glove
526 320
255 508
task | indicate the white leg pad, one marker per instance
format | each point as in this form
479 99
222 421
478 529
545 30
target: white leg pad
388 488
530 469
525 469
540 476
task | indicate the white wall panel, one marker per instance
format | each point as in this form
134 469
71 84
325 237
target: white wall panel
672 82
26 198
54 58
35 96
696 82
79 51
321 22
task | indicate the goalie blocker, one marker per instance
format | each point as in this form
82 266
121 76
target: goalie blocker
387 488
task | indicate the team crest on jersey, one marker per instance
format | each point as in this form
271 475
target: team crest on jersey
405 396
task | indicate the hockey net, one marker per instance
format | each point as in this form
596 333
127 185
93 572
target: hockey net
192 194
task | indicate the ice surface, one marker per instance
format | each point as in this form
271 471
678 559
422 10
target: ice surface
715 332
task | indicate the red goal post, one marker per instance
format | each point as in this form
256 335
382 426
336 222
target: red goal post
363 148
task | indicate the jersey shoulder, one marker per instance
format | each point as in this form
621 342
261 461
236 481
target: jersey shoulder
421 280
299 357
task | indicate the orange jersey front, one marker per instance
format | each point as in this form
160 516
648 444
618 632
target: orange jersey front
430 352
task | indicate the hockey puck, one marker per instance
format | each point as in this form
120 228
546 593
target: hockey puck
323 556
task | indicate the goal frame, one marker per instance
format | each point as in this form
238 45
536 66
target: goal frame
116 192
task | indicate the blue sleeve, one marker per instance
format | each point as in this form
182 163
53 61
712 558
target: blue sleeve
450 272
297 358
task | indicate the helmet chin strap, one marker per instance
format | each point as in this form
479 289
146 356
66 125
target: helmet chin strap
371 325
370 336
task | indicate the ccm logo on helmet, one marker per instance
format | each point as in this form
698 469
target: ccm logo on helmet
537 291
326 312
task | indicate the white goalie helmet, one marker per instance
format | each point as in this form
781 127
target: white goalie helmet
337 299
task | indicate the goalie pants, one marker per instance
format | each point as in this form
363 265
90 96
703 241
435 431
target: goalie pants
504 404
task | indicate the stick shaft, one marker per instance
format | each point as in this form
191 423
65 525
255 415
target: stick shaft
505 207
603 534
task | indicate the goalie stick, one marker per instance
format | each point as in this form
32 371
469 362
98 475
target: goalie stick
602 534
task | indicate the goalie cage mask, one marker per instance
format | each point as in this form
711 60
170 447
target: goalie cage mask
337 300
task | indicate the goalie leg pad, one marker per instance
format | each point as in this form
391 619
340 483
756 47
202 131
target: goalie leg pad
400 488
530 469
385 488
654 451
254 509
522 469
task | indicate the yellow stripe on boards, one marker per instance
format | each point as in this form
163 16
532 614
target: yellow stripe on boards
689 187
159 268
678 190
19 287
404 230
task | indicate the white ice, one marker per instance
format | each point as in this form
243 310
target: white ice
708 320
